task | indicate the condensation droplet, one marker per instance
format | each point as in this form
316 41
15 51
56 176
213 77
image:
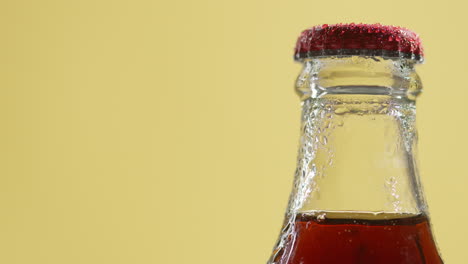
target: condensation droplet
324 140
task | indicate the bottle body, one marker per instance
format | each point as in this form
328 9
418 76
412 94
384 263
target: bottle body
360 238
357 198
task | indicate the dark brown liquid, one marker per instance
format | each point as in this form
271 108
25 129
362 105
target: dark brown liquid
357 241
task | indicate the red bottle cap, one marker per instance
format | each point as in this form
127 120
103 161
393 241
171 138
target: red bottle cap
359 39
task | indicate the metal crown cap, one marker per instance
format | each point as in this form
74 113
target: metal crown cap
359 39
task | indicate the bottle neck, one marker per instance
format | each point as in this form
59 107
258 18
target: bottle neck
357 150
359 75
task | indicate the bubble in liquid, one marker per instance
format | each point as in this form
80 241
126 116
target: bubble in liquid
321 216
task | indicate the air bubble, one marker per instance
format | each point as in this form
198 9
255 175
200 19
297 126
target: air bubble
321 217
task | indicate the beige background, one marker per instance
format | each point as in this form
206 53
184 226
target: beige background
166 131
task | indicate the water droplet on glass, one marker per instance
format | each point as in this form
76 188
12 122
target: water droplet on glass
324 140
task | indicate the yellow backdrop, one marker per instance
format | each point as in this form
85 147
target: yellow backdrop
166 131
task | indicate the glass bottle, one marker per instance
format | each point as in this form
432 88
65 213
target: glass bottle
357 198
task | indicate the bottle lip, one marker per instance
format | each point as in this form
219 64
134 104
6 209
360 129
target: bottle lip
359 40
